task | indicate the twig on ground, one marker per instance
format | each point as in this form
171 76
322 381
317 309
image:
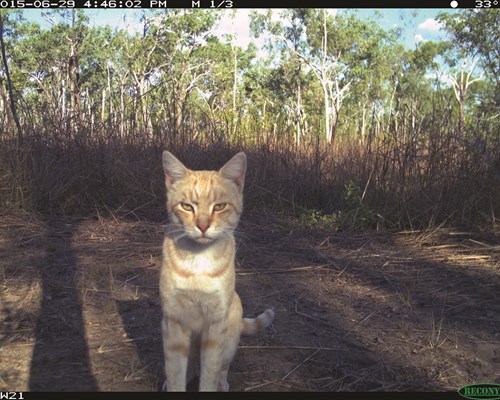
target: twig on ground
292 348
303 361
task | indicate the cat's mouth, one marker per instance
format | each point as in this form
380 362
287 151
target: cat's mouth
204 239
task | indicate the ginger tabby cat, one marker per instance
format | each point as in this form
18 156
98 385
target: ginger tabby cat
202 313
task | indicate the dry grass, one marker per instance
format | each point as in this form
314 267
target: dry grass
385 183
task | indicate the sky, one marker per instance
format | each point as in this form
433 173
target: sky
423 26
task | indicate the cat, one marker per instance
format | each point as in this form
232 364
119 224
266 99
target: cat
202 314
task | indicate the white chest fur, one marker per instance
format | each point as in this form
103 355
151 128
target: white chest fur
198 280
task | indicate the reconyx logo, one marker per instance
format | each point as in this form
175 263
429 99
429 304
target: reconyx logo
480 391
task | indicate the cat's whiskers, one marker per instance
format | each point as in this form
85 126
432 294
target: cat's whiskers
240 235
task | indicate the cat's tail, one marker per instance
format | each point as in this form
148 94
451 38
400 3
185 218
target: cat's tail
250 326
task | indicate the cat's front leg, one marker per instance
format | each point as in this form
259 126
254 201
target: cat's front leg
212 345
176 342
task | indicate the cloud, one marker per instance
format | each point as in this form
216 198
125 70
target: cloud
419 38
236 25
430 25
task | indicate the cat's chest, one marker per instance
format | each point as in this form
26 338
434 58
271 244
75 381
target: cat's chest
198 299
201 264
195 306
195 280
206 271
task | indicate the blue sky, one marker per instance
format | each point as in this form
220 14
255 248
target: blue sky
422 26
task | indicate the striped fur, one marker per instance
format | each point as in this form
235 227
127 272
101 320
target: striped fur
250 326
202 313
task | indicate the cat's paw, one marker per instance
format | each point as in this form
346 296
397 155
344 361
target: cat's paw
223 386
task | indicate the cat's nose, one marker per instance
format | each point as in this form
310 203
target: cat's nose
203 227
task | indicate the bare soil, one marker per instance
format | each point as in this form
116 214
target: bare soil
375 311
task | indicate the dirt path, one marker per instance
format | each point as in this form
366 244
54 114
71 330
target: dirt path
79 308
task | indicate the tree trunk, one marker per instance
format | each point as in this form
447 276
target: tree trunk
235 81
9 81
5 107
110 96
324 83
363 125
328 132
63 100
298 114
120 117
103 105
461 112
75 106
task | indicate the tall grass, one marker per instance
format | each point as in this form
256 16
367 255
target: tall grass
386 182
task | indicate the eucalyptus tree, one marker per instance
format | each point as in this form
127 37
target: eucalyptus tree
374 67
300 39
286 42
47 62
144 56
41 60
180 36
265 105
221 93
74 24
336 49
475 32
476 38
461 79
328 41
98 63
415 87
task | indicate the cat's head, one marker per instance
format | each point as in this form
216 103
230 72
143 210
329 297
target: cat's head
204 205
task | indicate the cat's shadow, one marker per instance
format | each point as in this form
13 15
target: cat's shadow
142 322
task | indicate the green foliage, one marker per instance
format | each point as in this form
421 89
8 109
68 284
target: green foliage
475 32
314 219
357 212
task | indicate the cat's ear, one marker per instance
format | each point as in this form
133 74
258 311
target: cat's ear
173 168
235 169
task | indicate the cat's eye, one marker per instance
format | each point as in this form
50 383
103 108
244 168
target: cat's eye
219 207
187 207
